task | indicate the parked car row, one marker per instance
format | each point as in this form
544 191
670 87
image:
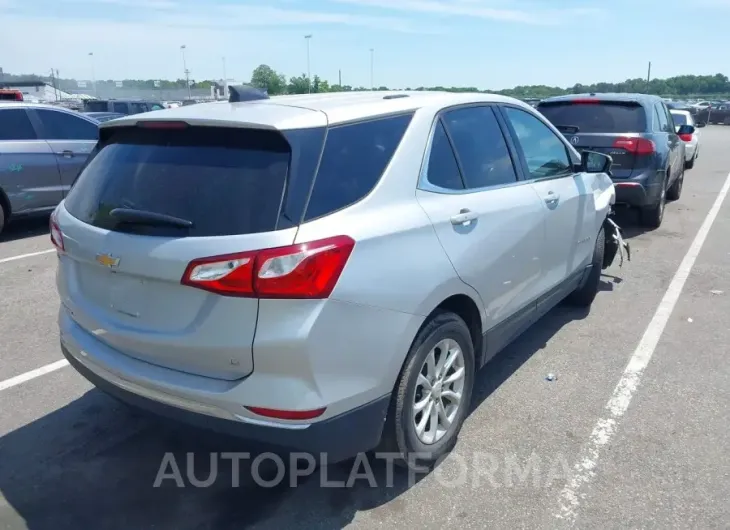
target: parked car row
328 274
646 141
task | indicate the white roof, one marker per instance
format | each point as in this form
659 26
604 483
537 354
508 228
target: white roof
311 110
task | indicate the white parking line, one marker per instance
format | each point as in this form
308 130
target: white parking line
605 428
30 255
27 376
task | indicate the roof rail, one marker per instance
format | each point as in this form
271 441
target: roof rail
240 93
395 96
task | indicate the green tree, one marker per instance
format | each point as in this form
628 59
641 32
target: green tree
266 78
298 85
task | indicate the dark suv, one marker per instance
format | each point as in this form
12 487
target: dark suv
639 134
121 106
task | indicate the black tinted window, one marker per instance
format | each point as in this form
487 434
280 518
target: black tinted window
679 119
480 146
137 108
596 117
353 160
15 125
544 152
225 181
119 107
442 168
96 106
65 126
663 122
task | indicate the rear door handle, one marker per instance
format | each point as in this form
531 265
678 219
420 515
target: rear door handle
552 198
67 154
464 217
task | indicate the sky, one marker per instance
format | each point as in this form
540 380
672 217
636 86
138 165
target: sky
488 44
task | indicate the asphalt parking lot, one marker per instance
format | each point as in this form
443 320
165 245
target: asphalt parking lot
630 433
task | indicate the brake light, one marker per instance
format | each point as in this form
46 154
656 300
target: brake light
686 137
162 124
56 235
287 414
637 146
584 101
307 270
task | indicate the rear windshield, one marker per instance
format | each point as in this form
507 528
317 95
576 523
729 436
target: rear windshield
96 106
602 117
679 119
223 181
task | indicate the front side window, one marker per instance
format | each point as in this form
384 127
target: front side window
545 154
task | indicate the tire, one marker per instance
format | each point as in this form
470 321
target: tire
400 433
584 295
691 163
675 190
2 218
652 216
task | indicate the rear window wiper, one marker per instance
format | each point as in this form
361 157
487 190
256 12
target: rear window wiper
141 217
571 129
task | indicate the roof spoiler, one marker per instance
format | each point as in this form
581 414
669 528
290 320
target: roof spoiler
240 93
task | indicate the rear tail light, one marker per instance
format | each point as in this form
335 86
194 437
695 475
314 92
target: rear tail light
637 146
307 270
686 137
56 235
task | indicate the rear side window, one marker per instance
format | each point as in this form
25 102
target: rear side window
353 161
65 126
480 147
137 108
224 181
596 117
15 125
443 171
119 107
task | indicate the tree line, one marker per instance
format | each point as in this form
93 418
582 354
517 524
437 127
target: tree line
276 83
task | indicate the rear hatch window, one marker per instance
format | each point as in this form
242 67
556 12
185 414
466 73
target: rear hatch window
214 181
596 117
610 127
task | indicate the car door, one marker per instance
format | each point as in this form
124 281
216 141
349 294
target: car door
28 171
566 197
71 137
664 141
490 224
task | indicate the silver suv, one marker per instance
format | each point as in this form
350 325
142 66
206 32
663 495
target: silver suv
323 272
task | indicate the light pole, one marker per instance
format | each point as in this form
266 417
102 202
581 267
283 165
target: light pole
93 76
372 61
187 72
309 76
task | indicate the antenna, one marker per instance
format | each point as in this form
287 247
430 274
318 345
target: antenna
245 93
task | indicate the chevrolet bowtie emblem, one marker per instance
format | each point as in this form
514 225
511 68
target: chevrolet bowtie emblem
107 260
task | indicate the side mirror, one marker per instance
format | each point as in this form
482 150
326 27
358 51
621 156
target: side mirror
686 129
701 124
593 162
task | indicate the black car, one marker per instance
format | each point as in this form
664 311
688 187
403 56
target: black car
639 134
103 116
121 106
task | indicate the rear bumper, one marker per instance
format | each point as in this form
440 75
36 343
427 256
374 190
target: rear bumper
340 437
641 190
